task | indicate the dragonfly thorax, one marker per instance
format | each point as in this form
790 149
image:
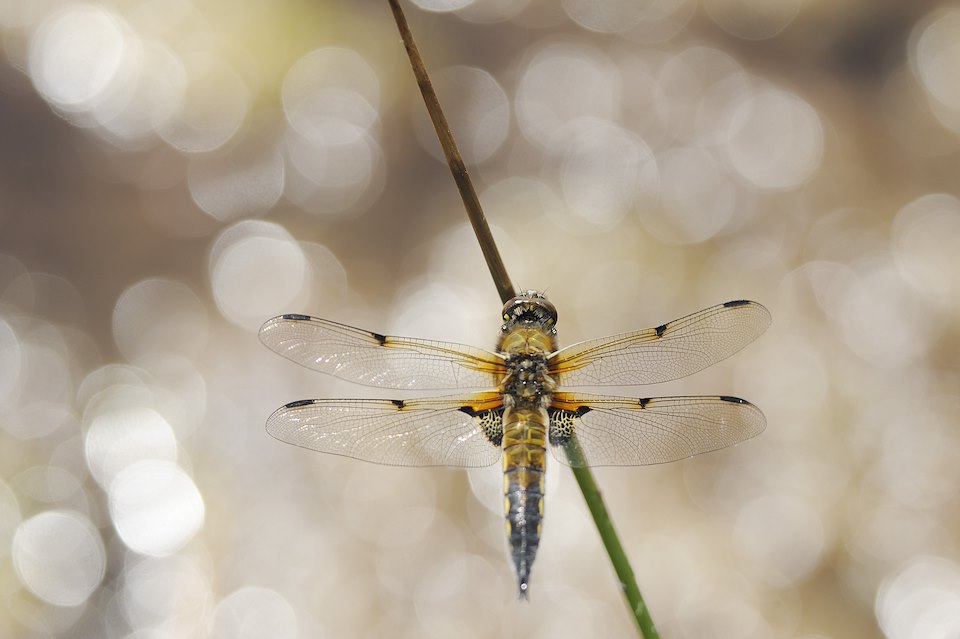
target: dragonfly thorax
527 382
527 339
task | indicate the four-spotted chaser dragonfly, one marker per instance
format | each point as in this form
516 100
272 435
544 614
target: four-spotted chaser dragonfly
520 401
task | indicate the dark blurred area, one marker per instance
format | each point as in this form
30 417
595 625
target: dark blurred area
172 174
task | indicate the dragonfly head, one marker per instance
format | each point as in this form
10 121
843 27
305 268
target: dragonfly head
529 309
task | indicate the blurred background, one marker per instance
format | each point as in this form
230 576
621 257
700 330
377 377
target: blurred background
175 172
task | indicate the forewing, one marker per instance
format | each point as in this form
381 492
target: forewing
381 360
464 431
621 431
660 354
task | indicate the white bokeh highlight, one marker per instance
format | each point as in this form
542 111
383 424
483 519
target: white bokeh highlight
775 140
216 101
698 197
237 184
257 270
934 60
752 19
477 110
59 556
158 315
605 171
920 599
11 361
925 235
254 613
9 518
561 82
442 6
615 16
155 506
171 594
329 88
121 436
75 54
334 163
146 92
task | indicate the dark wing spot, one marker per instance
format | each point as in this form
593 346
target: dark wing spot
736 303
295 316
733 400
380 338
398 403
583 410
644 401
660 329
469 411
298 403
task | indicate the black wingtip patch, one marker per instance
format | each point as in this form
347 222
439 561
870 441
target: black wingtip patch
736 303
660 329
643 402
299 403
295 316
733 400
380 338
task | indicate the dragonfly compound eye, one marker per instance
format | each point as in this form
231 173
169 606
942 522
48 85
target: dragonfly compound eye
531 308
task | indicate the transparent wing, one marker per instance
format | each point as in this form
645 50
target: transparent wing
381 360
622 431
462 431
660 354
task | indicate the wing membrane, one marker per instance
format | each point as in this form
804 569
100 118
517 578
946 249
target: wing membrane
429 432
380 360
622 431
664 353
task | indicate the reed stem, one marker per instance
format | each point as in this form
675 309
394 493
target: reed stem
588 486
467 193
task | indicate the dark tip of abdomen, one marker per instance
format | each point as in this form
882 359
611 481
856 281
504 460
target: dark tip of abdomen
522 593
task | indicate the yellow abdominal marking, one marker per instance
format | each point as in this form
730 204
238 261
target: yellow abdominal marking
524 443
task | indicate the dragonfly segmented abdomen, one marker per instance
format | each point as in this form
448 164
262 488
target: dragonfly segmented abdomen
524 464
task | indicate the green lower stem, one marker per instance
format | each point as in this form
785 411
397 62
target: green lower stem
628 582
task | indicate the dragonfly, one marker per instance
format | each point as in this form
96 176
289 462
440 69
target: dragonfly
515 401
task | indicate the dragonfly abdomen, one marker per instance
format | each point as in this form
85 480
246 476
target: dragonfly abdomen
524 457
